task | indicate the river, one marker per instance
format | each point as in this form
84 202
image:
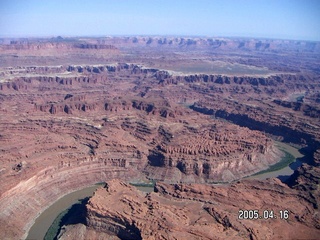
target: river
284 172
46 219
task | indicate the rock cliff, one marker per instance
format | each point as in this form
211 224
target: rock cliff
74 112
199 212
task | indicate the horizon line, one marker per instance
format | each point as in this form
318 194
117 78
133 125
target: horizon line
148 35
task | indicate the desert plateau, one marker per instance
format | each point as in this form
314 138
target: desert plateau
195 118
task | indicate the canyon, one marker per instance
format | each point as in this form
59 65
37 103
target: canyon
183 112
197 211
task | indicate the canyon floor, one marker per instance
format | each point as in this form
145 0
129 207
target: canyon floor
186 113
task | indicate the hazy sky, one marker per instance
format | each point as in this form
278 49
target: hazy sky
288 19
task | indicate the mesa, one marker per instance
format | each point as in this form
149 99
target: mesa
170 110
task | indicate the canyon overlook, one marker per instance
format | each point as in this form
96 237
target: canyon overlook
178 111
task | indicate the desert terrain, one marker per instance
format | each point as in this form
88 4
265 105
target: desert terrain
195 115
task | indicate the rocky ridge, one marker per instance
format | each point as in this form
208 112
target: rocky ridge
119 210
67 126
81 125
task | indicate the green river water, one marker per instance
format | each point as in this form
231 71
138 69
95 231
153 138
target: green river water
47 225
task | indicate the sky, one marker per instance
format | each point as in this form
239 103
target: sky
282 19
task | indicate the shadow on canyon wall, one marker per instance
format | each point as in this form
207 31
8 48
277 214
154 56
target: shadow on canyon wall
287 134
74 215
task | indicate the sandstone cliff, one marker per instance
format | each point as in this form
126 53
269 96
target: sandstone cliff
198 212
74 112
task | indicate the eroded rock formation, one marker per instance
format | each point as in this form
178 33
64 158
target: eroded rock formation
73 113
197 211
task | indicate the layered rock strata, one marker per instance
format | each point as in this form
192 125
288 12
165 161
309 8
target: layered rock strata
211 152
71 115
198 212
